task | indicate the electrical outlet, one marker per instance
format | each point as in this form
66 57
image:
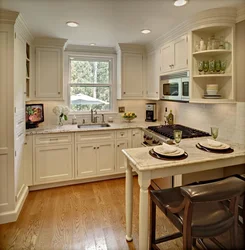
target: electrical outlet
121 109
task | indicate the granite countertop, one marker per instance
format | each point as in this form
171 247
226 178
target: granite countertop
74 128
143 161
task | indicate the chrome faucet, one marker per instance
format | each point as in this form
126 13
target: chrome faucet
103 118
93 118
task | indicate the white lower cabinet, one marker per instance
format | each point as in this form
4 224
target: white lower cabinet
137 138
120 158
53 161
94 159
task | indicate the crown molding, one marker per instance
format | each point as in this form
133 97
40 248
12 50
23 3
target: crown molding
240 13
50 42
130 47
21 27
8 17
212 17
90 49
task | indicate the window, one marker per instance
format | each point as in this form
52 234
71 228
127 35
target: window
90 83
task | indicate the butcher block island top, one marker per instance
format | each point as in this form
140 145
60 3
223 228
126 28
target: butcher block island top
148 168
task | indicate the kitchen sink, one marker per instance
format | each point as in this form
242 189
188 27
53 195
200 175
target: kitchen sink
94 125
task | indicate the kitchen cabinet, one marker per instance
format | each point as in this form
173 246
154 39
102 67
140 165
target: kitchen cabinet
174 56
49 68
137 138
130 66
53 160
223 78
152 78
28 159
120 158
94 154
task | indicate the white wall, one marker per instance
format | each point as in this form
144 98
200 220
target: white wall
230 118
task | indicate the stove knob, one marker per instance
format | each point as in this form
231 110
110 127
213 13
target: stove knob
145 136
156 141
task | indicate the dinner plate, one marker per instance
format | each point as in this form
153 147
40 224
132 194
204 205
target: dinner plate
160 150
222 147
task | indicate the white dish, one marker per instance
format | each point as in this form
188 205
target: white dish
212 92
162 151
223 146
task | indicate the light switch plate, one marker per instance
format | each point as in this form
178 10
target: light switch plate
121 109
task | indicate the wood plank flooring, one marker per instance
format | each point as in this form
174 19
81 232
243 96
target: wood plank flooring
86 216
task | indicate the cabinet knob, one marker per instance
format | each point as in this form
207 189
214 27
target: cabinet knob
98 147
59 93
118 145
124 92
156 92
94 147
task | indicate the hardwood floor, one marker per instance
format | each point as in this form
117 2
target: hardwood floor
86 216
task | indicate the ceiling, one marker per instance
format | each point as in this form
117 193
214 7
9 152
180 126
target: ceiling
107 22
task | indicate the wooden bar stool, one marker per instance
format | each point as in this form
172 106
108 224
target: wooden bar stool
198 212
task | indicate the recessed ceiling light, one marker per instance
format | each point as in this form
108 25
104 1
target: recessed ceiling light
145 31
72 24
92 44
179 3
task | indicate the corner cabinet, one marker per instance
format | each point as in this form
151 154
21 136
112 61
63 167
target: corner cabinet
174 56
49 69
130 66
152 77
221 74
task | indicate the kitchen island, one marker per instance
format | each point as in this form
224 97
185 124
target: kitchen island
148 168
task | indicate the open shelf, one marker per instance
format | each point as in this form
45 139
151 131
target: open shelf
212 75
212 52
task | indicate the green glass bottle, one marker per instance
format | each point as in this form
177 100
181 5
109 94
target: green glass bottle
170 118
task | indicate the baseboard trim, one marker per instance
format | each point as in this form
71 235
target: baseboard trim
11 216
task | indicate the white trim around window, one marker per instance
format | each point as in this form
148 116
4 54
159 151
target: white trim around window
91 56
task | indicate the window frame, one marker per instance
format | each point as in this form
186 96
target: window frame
112 78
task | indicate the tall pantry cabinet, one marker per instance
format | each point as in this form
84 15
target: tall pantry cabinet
14 37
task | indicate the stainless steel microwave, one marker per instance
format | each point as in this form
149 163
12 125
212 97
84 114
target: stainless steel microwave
175 89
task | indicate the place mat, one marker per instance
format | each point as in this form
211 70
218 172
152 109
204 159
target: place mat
225 151
175 158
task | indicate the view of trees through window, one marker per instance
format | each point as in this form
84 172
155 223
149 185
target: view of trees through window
90 85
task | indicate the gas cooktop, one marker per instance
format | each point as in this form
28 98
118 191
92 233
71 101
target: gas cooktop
187 132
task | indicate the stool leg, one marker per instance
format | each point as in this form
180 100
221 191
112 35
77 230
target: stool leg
187 238
152 223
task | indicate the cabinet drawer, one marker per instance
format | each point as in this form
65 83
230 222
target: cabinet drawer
53 138
94 136
122 134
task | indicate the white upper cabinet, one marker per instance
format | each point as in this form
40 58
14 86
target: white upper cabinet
152 78
174 55
130 71
49 69
48 73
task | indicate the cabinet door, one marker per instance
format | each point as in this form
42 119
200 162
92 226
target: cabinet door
167 58
19 72
152 79
105 158
86 159
137 138
53 163
132 75
48 73
180 47
120 157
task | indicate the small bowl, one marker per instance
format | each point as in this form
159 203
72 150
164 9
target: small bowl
128 119
212 92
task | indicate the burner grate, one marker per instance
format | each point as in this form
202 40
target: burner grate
187 132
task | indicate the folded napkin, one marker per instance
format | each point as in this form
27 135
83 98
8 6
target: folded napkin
214 143
168 149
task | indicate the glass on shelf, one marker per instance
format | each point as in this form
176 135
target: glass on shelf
214 43
200 67
221 43
197 47
209 44
227 45
202 45
217 66
211 66
205 67
223 66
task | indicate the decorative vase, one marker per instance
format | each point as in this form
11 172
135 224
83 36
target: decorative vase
60 121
